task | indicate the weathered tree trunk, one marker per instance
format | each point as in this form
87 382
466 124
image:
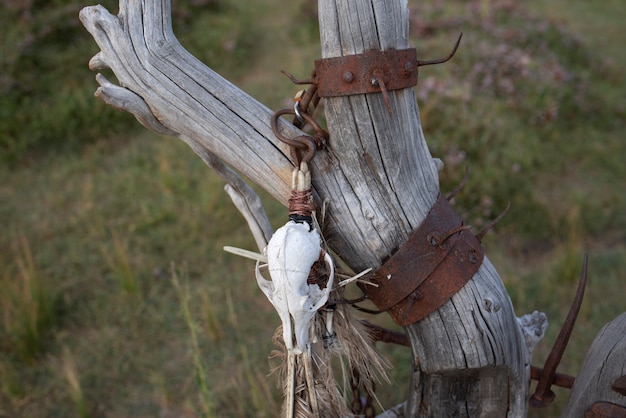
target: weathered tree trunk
470 355
598 377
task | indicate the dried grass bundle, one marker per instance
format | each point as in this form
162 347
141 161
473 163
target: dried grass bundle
340 344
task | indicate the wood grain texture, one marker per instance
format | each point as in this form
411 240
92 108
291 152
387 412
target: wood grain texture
605 362
377 173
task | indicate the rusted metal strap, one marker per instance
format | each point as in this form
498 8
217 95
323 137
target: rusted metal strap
439 258
369 72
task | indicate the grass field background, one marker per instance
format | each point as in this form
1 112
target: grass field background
116 299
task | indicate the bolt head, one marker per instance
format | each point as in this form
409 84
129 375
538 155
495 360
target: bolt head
619 385
408 69
348 77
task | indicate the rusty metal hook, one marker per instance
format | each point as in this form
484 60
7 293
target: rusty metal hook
543 396
276 130
442 60
305 143
320 134
304 98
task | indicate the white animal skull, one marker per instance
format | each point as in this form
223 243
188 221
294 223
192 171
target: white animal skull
291 252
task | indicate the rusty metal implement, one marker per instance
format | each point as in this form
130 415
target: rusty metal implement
439 258
543 396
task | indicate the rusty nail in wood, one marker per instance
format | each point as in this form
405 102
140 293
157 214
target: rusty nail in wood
379 81
560 380
619 385
348 77
458 188
493 223
408 69
543 396
294 80
433 238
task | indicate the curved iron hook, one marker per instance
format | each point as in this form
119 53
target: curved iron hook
305 143
442 60
294 80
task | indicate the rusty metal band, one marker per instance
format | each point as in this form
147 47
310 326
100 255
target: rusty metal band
438 259
356 74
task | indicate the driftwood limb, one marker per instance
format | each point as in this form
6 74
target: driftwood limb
251 208
243 197
186 97
140 55
123 99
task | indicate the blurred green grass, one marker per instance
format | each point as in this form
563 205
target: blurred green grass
96 212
